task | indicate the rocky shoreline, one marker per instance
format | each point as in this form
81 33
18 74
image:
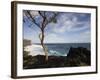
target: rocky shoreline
75 57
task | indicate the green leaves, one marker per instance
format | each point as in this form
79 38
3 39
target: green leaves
54 20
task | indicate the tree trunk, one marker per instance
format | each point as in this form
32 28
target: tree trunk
43 46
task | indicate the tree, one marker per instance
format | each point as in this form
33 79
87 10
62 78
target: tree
44 18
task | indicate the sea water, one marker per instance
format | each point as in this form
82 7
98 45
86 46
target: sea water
62 49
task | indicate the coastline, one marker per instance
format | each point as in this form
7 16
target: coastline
54 49
34 49
76 57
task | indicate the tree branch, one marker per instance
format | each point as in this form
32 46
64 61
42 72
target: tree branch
51 19
33 20
44 19
41 14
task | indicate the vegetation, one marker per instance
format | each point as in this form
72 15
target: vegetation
76 57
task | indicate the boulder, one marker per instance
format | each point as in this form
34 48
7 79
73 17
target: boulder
78 57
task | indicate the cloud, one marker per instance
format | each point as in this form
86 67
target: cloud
70 28
52 38
34 13
82 37
70 22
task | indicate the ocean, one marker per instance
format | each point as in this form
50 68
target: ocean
56 49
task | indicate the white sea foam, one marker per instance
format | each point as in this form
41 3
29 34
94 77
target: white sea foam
34 50
56 53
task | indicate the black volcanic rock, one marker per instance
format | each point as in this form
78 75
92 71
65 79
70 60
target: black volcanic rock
78 57
38 61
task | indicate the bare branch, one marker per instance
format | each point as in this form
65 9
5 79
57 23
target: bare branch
41 14
33 20
51 19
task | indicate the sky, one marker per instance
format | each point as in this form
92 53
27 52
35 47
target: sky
71 27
